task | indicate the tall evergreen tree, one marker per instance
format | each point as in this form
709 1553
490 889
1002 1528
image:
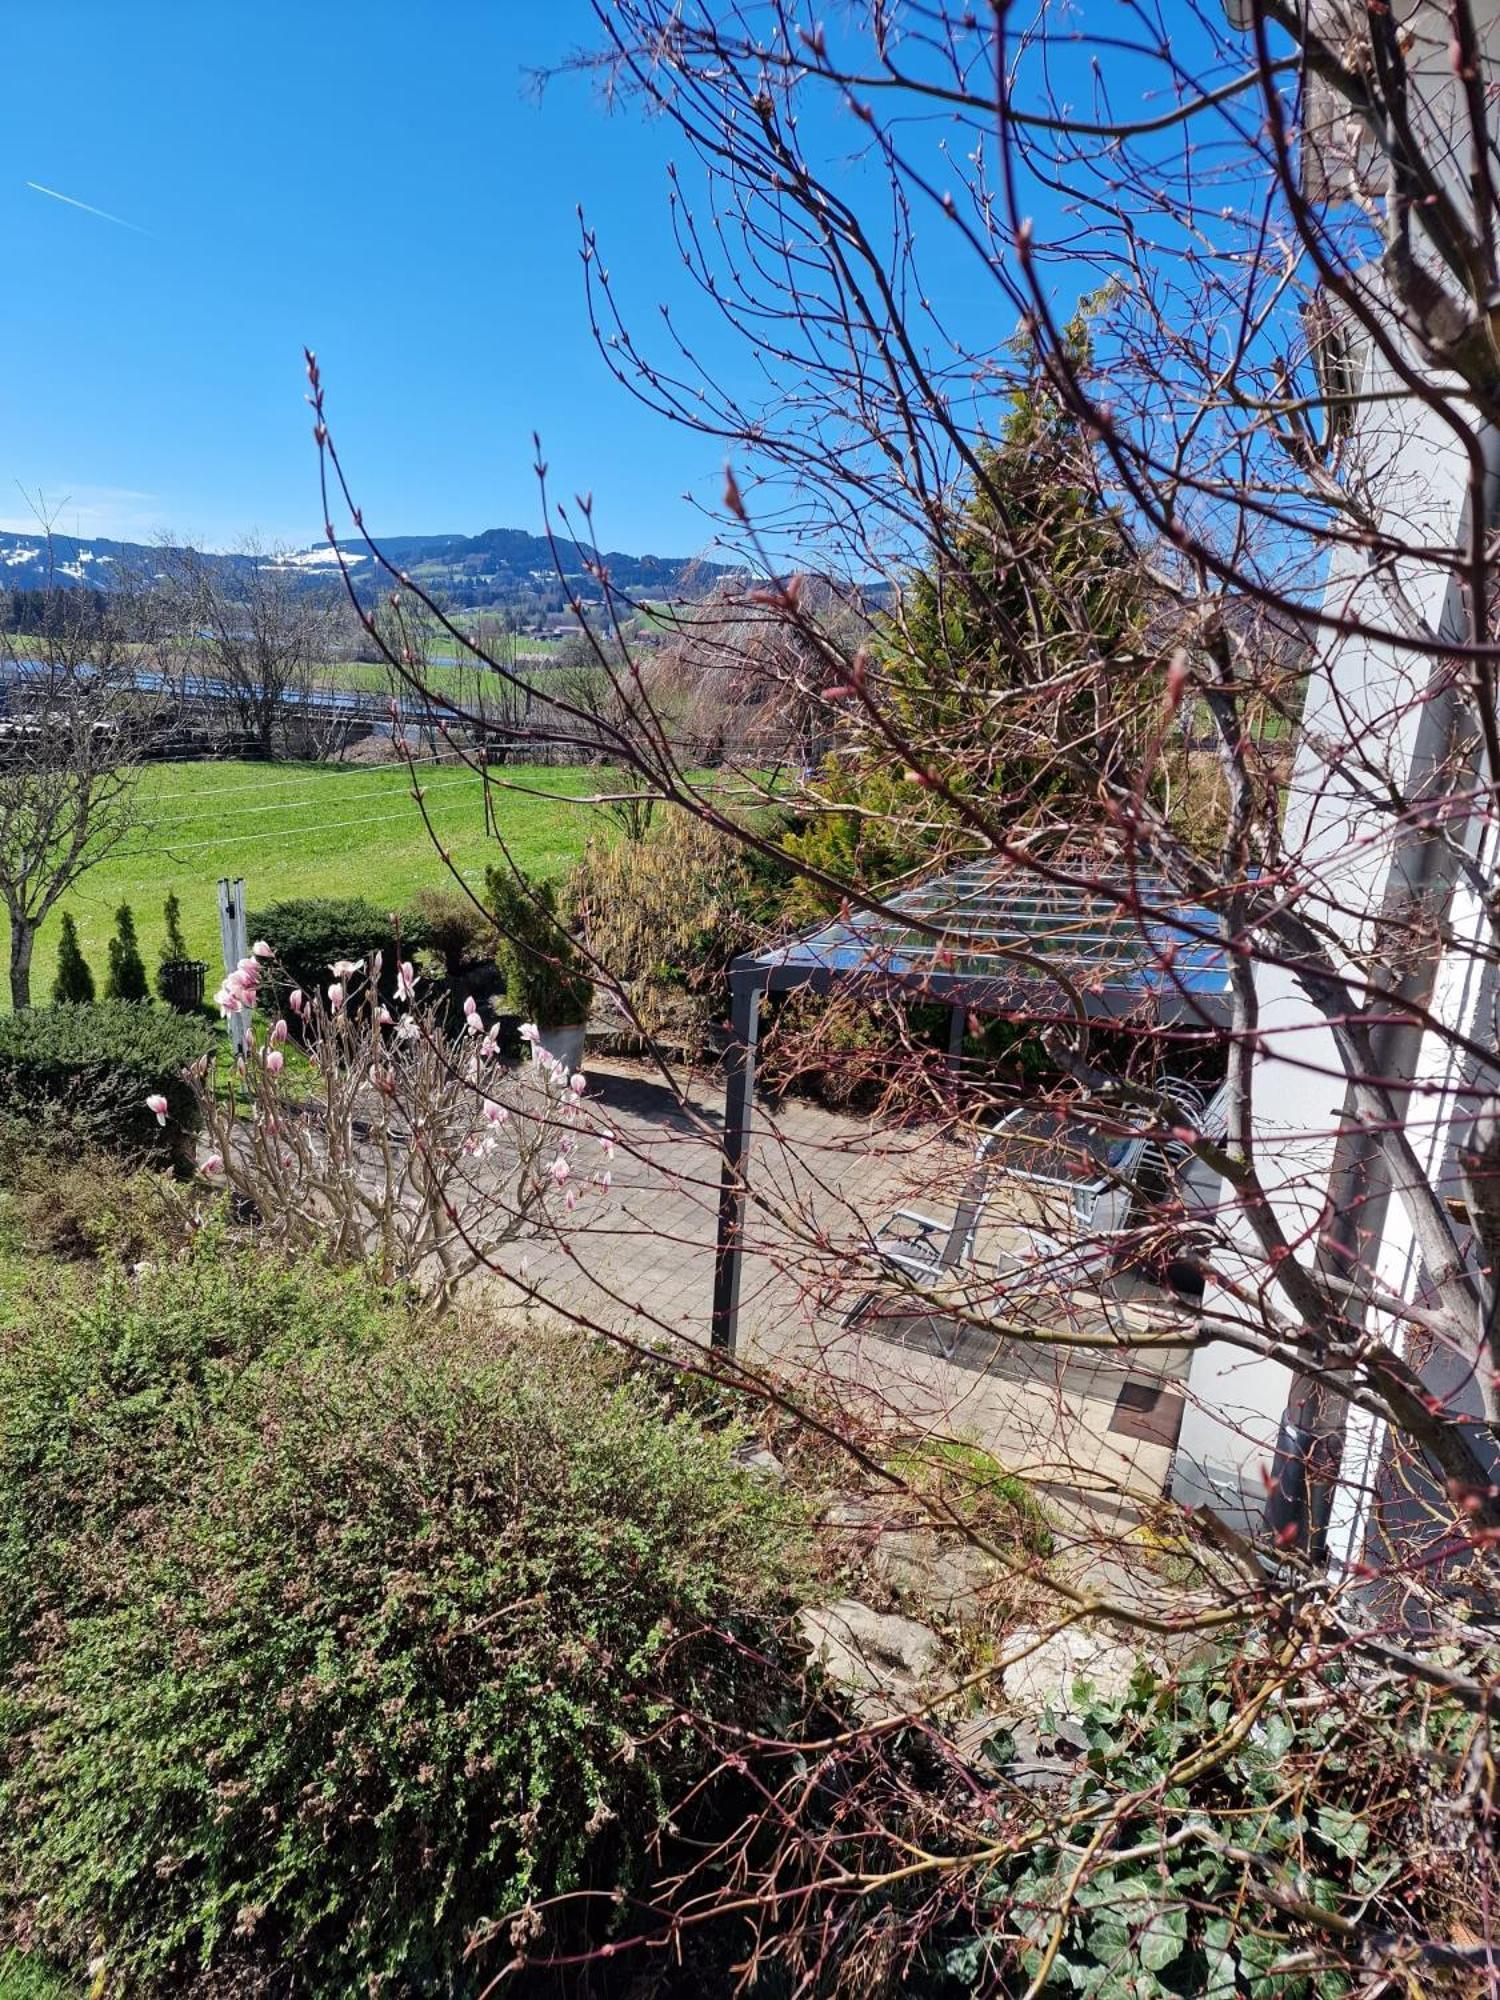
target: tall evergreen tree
173 945
73 985
127 971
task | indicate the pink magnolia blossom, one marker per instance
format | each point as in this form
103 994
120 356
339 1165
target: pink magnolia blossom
274 1060
260 949
559 1170
406 980
237 993
384 1017
278 1031
570 1199
214 1164
607 1144
577 1083
336 995
605 1179
345 968
494 1114
157 1103
295 1001
529 1032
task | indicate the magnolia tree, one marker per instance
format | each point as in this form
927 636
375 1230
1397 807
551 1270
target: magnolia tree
1116 452
388 1141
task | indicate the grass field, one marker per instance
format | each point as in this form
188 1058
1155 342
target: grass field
308 830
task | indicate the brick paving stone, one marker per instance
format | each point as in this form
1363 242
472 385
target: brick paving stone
640 1261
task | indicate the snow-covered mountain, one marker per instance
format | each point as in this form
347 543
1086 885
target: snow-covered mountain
502 566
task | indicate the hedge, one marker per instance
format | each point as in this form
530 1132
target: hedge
308 933
81 1075
333 1638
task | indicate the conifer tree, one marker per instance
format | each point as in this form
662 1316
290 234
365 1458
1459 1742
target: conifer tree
73 985
173 945
127 971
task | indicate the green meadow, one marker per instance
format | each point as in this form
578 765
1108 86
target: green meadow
311 830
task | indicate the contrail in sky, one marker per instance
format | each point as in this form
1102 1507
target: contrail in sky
88 208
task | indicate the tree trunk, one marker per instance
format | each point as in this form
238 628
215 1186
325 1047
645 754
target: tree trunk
22 941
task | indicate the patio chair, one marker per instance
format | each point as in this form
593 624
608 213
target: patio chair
919 1247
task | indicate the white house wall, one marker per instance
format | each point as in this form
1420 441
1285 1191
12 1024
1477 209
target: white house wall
1367 693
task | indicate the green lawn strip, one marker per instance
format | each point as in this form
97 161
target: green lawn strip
309 830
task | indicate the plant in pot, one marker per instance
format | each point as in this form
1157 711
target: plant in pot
179 976
547 979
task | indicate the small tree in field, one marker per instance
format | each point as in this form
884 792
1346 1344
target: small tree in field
127 971
259 631
73 985
69 754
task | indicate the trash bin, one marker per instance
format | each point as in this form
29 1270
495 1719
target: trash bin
182 981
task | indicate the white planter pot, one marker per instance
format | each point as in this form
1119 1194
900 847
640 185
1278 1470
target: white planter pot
565 1045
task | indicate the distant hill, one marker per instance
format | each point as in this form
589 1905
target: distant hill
503 567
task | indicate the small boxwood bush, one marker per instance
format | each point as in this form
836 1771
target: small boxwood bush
455 927
547 979
81 1075
334 1639
308 933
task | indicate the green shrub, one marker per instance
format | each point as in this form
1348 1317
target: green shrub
79 1206
174 946
1323 1803
866 826
667 914
81 1075
73 985
126 979
453 927
24 1977
104 1404
340 1640
546 978
308 933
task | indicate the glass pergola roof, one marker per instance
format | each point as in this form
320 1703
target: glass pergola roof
984 928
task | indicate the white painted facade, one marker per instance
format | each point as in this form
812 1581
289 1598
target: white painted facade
1368 725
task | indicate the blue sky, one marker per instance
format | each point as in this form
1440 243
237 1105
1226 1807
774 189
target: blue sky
377 180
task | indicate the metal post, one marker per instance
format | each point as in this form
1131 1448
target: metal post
739 1099
234 940
958 1021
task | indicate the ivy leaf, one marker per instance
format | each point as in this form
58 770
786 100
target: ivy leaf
1163 1939
1277 1737
1344 1832
1220 1982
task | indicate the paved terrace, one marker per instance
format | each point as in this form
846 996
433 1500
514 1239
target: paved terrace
1085 1424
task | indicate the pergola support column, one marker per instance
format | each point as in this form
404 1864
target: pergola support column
739 1101
958 1021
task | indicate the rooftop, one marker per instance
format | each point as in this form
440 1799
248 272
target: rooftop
983 930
